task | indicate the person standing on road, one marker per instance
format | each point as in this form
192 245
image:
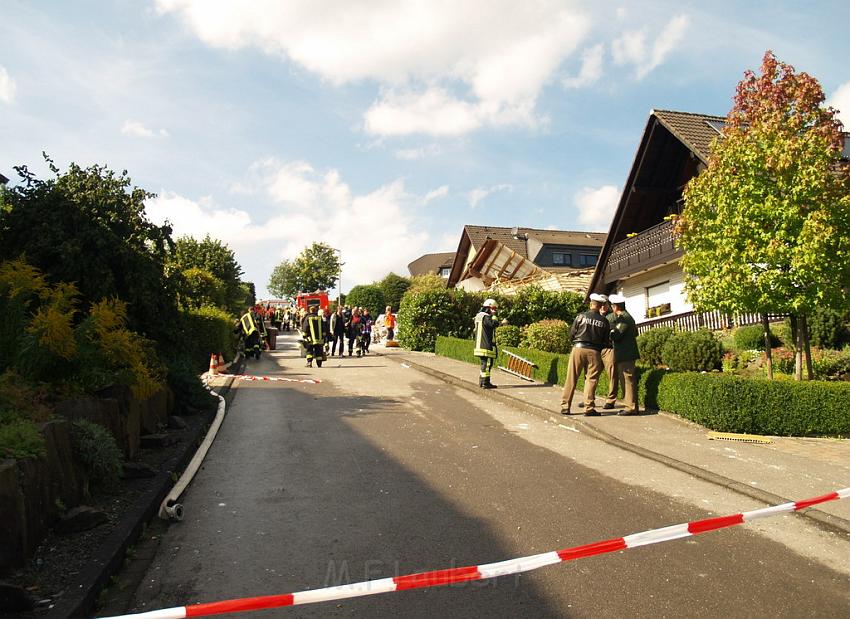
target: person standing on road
485 342
389 323
624 336
337 331
367 330
589 333
314 338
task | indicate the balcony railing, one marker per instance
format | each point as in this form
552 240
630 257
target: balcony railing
652 246
714 321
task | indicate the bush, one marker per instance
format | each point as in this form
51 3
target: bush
827 329
508 335
98 452
532 304
425 314
752 338
548 336
831 364
204 331
20 438
369 296
733 404
189 391
698 351
651 343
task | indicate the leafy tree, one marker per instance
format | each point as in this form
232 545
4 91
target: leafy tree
764 228
217 259
284 280
369 296
315 268
200 287
429 281
249 294
394 286
88 226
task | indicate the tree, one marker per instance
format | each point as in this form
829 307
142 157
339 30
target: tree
315 268
284 280
200 287
764 228
216 258
369 296
88 226
394 286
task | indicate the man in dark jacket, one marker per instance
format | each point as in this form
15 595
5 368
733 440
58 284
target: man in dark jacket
624 337
485 342
590 333
337 331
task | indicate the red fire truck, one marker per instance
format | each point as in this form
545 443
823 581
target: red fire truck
309 299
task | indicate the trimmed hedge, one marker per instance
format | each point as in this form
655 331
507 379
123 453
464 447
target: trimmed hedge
207 330
717 401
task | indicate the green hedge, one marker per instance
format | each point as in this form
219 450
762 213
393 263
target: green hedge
717 401
204 331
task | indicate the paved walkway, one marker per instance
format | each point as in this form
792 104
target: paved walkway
787 469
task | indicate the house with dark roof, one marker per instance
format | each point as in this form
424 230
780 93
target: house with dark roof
435 264
489 254
639 259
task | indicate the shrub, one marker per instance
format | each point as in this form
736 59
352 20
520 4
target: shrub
734 404
752 338
548 336
692 351
20 438
831 364
826 328
651 343
369 296
204 331
189 391
532 304
508 335
98 452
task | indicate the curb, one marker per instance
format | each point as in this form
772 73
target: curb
828 522
109 558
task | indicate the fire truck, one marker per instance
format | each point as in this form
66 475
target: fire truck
309 299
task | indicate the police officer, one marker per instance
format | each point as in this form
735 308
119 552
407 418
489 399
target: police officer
312 330
485 342
590 333
624 335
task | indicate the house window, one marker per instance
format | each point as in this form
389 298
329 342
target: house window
445 271
562 259
658 300
586 260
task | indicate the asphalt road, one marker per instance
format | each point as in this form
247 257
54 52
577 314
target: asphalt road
380 470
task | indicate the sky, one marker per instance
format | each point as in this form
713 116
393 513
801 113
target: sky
380 127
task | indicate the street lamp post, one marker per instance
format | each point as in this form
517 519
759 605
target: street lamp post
339 280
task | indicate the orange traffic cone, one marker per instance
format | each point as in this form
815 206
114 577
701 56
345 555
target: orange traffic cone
213 364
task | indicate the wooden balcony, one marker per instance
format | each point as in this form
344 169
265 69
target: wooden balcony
714 321
652 247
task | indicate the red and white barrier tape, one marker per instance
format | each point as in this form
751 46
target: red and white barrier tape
482 572
314 381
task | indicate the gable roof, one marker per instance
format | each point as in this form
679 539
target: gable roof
431 263
3 180
692 130
692 133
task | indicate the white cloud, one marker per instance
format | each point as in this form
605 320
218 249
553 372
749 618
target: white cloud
596 206
631 47
138 130
8 88
414 154
479 193
306 205
469 64
840 100
591 67
440 192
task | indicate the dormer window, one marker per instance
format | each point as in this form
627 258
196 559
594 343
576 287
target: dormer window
561 259
586 260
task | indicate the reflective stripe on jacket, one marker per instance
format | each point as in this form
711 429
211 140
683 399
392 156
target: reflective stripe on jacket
485 330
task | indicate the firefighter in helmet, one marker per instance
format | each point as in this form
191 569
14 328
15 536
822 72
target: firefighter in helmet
314 337
485 342
250 335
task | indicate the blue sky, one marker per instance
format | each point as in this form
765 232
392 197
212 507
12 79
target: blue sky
380 127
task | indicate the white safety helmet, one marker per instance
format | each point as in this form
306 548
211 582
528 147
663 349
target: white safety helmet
490 303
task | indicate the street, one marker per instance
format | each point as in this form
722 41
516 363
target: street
381 471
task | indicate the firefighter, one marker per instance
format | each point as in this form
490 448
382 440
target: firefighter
312 330
250 335
485 342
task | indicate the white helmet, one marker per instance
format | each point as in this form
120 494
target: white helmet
489 303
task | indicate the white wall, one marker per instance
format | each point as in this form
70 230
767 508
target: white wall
634 289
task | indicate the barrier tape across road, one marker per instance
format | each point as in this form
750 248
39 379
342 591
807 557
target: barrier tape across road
489 570
314 381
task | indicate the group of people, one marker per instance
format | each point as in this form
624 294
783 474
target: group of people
354 325
603 338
